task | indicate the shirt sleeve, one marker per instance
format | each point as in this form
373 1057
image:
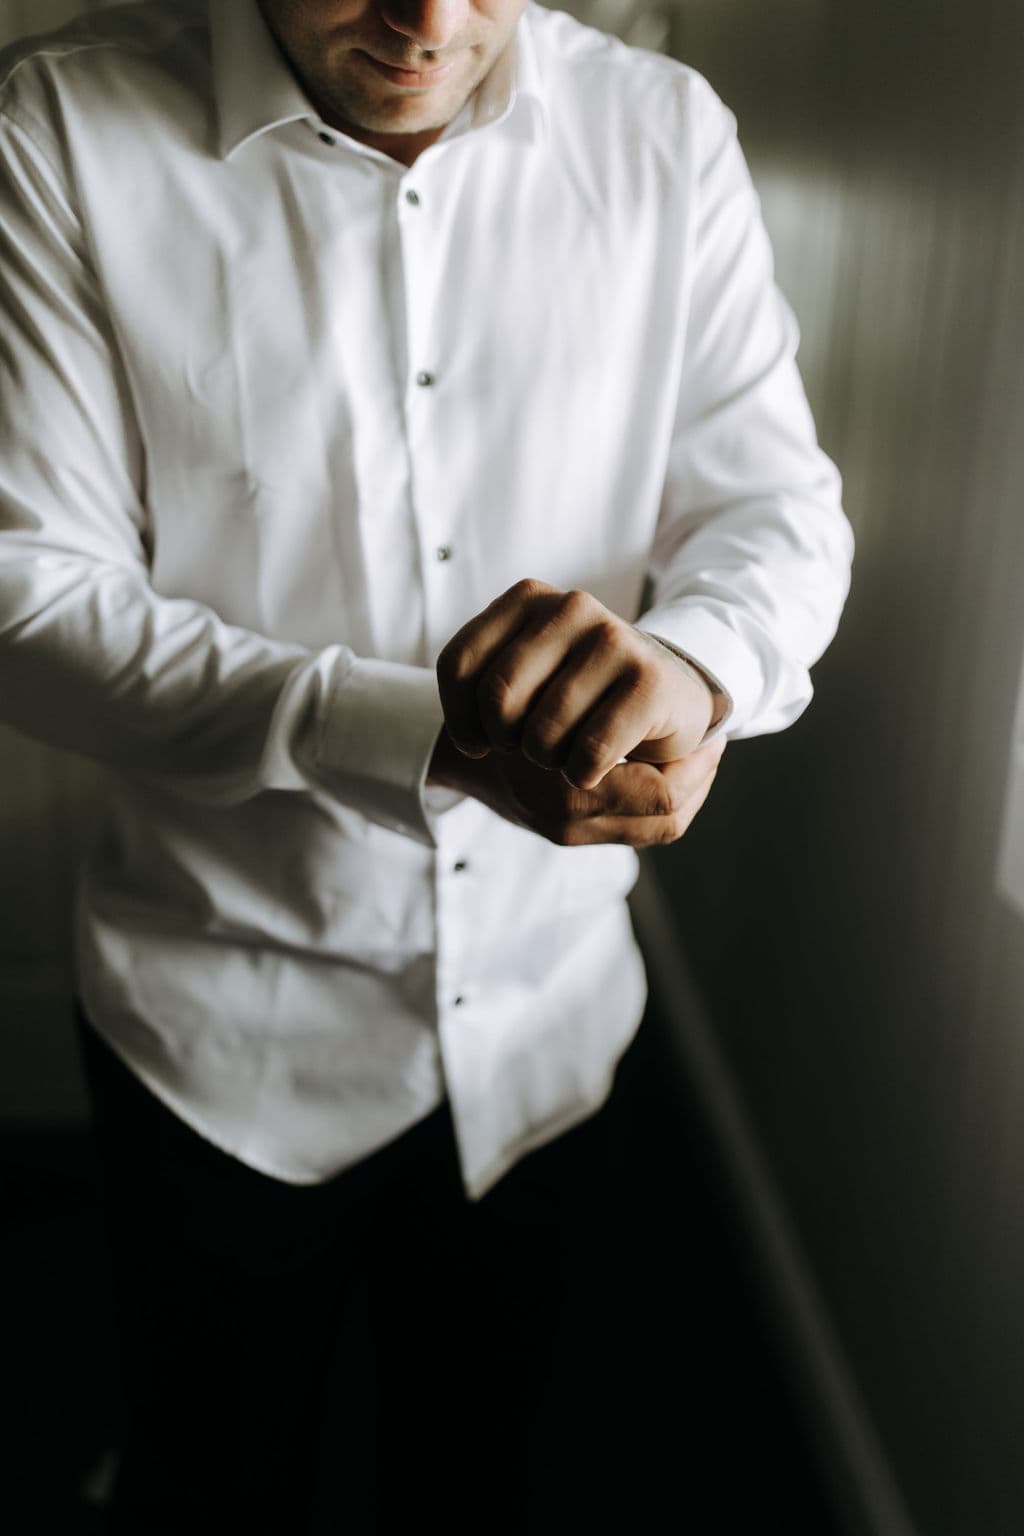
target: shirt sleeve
751 562
92 658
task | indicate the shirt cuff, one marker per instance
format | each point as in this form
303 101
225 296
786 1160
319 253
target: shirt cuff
362 731
702 638
378 733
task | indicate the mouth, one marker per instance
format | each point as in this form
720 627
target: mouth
411 79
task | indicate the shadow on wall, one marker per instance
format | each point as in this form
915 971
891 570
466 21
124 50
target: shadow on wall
840 895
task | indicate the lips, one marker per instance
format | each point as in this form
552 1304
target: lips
399 74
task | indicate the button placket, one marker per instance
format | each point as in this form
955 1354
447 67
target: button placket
456 896
426 396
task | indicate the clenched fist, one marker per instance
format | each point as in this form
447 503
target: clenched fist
547 680
570 684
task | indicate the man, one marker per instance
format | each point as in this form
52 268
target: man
362 360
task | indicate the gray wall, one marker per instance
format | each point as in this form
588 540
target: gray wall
838 897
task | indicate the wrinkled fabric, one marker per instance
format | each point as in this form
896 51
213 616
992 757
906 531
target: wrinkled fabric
271 430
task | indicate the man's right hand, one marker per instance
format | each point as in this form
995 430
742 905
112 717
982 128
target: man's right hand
640 804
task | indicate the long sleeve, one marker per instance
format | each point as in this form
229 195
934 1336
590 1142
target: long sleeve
278 415
92 658
751 564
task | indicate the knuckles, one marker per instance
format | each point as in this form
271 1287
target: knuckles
641 678
589 755
567 829
663 802
540 743
495 695
567 833
607 635
671 828
575 605
567 821
527 590
455 664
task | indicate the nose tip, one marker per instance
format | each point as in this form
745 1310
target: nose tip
431 23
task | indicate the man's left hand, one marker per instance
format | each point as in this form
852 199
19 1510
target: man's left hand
570 684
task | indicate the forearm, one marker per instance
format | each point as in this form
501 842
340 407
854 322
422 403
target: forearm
753 598
751 559
92 656
161 689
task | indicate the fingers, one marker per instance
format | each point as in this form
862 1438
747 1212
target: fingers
557 718
538 685
469 658
640 789
524 643
567 682
636 803
649 831
535 664
610 731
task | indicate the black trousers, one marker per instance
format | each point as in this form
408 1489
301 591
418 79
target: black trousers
371 1353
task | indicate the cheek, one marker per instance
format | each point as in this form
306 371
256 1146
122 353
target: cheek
503 13
309 23
346 13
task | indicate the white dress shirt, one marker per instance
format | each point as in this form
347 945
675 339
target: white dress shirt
278 416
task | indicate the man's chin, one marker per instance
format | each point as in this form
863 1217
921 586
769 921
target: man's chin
407 115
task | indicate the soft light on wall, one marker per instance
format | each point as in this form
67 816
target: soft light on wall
1011 855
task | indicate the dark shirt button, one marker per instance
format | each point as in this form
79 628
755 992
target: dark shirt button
458 1001
425 379
412 197
443 552
459 866
325 138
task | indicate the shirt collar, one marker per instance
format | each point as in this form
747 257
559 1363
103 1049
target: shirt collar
253 86
255 90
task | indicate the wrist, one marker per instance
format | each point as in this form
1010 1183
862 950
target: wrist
448 766
720 701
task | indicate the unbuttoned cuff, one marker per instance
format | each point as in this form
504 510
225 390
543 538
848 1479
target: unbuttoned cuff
378 727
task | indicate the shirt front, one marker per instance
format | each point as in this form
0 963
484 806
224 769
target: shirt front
278 416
